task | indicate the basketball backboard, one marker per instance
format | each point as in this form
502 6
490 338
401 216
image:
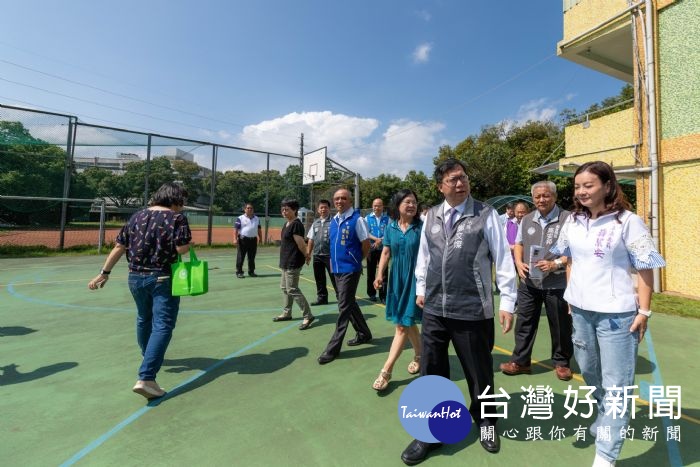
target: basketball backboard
314 166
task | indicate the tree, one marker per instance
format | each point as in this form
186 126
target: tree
189 174
424 187
29 167
383 186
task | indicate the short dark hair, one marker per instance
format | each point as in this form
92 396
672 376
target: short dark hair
398 198
446 166
324 201
291 204
510 205
169 194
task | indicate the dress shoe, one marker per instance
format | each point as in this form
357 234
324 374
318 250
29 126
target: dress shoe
417 451
306 324
252 274
359 341
512 369
325 358
148 389
282 318
240 275
563 373
372 299
320 301
491 445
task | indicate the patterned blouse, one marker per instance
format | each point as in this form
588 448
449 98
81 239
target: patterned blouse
150 238
604 254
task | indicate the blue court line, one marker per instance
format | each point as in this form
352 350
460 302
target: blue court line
672 447
152 404
14 293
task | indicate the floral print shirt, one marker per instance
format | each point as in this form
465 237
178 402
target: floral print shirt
150 238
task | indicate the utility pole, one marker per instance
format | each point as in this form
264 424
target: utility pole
301 161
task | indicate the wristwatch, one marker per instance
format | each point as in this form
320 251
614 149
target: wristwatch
559 263
646 313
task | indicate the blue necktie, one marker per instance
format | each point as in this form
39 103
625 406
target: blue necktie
454 213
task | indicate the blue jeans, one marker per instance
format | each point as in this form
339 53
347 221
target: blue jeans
155 321
606 352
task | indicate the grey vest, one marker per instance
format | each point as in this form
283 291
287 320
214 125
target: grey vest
458 279
320 237
533 234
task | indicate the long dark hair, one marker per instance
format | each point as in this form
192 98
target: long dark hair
615 200
396 201
169 194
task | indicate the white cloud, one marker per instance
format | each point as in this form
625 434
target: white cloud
405 145
421 54
540 110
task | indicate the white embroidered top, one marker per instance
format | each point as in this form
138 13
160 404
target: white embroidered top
604 253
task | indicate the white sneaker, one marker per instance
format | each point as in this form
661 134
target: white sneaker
148 389
601 461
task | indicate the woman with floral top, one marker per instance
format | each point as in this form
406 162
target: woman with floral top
605 243
152 239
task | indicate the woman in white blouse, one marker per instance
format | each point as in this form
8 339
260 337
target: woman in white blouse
606 243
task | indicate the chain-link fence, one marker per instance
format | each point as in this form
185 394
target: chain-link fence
48 155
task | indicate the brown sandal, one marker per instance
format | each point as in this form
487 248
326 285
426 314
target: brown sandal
382 381
414 366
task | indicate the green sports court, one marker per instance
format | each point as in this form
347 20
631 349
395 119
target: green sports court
246 391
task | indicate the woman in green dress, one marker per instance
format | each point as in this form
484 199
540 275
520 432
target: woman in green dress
401 241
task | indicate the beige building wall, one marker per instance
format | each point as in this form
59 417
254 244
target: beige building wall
589 14
611 138
680 200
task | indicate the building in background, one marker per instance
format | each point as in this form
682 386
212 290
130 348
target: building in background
651 44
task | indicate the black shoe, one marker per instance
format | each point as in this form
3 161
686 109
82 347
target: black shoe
240 275
306 324
382 301
359 341
320 301
282 318
252 274
417 451
325 358
491 445
372 299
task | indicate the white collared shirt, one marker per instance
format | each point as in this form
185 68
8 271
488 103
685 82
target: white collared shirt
500 252
360 227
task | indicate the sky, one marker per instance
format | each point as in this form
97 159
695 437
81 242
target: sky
382 84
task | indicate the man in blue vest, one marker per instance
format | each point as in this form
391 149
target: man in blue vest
376 223
349 242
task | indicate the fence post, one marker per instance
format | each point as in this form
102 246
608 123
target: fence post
214 155
147 171
101 238
68 166
267 199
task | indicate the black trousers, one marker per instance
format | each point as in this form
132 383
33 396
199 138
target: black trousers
473 342
530 300
246 246
321 264
348 311
372 263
